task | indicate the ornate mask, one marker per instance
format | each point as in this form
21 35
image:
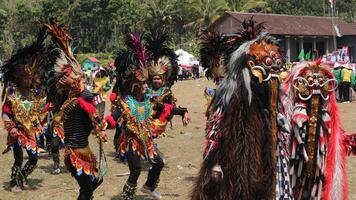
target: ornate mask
314 80
265 60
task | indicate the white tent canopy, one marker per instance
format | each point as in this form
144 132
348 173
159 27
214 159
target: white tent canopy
185 58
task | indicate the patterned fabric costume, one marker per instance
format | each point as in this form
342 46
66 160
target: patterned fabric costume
243 157
317 165
75 113
21 112
141 119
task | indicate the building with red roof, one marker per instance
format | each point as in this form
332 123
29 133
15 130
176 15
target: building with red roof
308 33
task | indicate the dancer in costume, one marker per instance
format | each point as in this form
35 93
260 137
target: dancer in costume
163 72
55 136
19 108
241 157
318 150
102 84
76 112
140 118
113 96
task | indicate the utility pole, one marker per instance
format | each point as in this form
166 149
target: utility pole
323 8
333 22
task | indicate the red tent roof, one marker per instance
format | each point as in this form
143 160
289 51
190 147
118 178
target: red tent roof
93 59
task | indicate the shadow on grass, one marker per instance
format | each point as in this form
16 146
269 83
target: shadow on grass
190 178
146 197
33 184
49 168
138 197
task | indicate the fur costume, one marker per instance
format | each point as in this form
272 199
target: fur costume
240 157
257 154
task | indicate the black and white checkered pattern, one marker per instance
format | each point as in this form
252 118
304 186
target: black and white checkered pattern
283 184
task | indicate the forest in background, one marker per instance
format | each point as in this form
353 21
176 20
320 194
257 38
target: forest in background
99 26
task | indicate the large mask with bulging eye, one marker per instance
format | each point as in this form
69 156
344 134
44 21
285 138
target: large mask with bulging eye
265 61
314 80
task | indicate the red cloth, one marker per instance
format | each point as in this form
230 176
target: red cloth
110 120
113 97
350 143
6 108
166 112
88 107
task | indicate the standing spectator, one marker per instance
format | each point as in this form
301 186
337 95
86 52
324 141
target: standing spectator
337 73
180 73
196 71
347 79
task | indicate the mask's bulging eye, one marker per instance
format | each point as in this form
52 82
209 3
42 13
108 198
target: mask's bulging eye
320 80
268 61
278 62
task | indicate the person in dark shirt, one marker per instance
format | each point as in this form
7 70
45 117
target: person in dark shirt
80 119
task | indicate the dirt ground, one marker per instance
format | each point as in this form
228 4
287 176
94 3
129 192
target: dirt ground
182 147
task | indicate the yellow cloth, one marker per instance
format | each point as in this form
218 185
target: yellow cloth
347 75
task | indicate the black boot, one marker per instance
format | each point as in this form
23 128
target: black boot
27 170
128 192
56 169
16 179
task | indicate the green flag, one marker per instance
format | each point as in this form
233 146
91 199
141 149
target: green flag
307 56
301 55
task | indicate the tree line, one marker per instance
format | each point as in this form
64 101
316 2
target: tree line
100 25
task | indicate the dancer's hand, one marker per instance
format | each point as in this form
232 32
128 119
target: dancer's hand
103 136
14 132
66 80
40 128
186 119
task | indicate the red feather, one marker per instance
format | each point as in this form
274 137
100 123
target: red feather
138 47
336 140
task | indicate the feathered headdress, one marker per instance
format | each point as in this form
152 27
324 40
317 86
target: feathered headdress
59 61
131 63
23 64
162 60
216 49
213 58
